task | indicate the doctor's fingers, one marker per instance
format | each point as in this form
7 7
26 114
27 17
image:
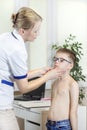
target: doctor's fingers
52 74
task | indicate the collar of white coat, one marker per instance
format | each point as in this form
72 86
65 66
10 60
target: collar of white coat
17 35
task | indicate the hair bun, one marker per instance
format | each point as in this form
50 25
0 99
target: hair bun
13 18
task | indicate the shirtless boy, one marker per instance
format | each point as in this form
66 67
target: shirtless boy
62 114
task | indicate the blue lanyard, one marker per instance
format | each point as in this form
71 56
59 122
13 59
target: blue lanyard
14 35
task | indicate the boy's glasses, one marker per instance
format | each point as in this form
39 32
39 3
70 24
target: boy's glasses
60 60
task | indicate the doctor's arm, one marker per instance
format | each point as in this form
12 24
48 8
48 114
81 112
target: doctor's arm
25 86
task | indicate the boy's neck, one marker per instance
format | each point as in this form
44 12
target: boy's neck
65 76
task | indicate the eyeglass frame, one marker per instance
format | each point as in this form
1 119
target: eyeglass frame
59 59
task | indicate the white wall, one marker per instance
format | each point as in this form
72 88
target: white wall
6 10
38 49
72 18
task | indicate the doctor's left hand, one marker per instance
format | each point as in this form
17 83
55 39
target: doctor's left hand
44 70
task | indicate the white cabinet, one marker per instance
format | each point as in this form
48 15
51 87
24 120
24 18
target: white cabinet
82 118
34 120
31 125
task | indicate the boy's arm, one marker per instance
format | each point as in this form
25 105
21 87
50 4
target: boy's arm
52 90
74 96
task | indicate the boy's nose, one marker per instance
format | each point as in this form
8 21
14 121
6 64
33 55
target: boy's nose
57 62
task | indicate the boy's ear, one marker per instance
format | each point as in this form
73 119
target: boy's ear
71 66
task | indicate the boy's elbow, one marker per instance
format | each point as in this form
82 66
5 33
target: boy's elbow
73 113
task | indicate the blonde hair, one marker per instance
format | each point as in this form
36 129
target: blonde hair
25 18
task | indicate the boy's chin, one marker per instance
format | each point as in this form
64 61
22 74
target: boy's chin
55 66
58 68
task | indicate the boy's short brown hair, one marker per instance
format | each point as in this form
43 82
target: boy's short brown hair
71 54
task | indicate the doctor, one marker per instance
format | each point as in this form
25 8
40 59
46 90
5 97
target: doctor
13 65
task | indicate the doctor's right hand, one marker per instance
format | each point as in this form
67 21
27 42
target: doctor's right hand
53 74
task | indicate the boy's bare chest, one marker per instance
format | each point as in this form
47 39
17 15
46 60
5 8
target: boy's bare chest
61 89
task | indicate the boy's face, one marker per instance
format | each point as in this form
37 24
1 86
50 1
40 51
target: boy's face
62 61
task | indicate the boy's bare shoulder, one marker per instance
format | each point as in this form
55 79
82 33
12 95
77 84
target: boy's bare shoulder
74 88
74 83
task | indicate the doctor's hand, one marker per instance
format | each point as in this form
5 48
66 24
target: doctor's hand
44 70
53 73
